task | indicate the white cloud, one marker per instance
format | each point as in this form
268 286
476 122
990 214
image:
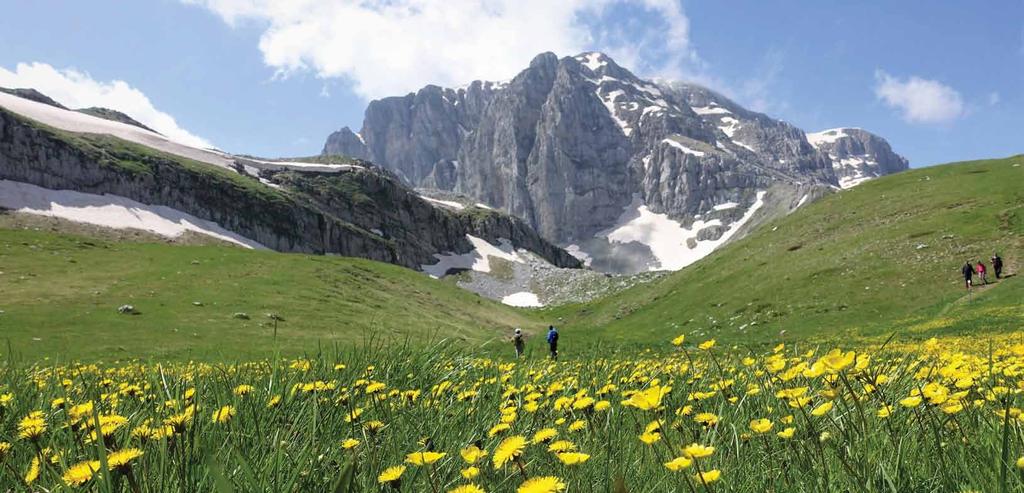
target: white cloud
76 90
388 47
919 100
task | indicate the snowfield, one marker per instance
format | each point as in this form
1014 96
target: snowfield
523 299
829 136
477 259
667 238
111 211
73 121
443 203
681 147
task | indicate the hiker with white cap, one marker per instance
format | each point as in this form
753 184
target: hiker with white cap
518 340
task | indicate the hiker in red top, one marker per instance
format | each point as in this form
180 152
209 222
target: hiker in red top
981 273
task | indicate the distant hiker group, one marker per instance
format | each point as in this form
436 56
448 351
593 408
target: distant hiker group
970 270
518 339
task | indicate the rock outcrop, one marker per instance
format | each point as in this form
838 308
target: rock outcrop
857 155
570 144
362 211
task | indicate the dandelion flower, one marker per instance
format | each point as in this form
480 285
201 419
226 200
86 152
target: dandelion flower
678 341
32 426
467 488
707 477
81 473
543 484
708 344
224 414
561 446
391 475
472 454
787 433
33 471
761 425
349 444
424 458
243 390
1020 463
470 472
509 449
122 458
697 451
912 401
545 435
836 360
577 425
822 409
573 458
678 464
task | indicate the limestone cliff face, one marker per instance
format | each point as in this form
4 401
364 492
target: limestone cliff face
857 155
363 211
569 143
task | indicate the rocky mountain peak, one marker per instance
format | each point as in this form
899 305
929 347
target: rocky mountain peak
604 162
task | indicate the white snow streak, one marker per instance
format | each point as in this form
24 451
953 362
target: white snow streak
446 203
524 299
682 147
110 211
477 259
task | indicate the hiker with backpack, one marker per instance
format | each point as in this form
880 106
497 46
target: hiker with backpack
981 272
520 344
997 265
553 341
968 272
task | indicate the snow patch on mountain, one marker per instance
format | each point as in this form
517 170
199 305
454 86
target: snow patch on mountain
110 211
681 147
522 299
829 136
445 203
668 239
477 259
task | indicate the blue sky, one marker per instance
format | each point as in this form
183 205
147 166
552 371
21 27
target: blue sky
940 81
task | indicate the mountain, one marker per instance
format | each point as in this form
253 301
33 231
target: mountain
74 165
629 174
857 155
881 258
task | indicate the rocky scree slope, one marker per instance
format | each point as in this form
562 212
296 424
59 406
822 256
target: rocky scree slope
595 158
353 209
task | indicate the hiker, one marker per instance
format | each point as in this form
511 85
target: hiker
518 340
997 265
981 272
968 272
553 341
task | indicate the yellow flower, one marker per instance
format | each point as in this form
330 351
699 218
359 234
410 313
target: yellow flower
561 446
572 458
470 472
708 344
678 341
424 458
468 488
6 399
650 437
648 399
543 484
706 419
544 435
472 453
602 405
678 464
81 473
349 444
32 426
786 433
33 471
122 458
274 401
1020 463
707 477
5 448
697 451
912 401
391 474
509 449
885 411
836 360
243 390
498 428
822 409
577 425
224 414
761 425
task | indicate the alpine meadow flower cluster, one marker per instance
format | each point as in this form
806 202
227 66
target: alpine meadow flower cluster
942 415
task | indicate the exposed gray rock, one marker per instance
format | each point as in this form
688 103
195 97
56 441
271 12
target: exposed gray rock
568 143
857 155
324 213
33 95
114 115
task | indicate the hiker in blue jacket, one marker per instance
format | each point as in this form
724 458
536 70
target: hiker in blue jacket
553 341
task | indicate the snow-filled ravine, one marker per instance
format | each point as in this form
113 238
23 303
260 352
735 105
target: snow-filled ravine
477 259
666 238
110 211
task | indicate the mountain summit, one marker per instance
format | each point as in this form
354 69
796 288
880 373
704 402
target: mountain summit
627 173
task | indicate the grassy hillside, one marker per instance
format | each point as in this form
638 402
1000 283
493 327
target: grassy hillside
882 257
59 295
